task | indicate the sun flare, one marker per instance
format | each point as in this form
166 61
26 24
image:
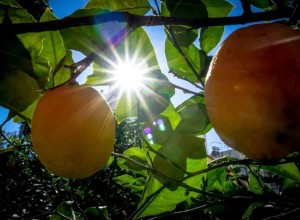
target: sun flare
129 76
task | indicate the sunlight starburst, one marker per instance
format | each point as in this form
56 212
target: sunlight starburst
129 76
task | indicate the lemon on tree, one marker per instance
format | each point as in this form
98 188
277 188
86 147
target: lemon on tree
252 91
73 131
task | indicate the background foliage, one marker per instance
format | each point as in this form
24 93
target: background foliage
168 175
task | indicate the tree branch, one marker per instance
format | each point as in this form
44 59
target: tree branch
138 21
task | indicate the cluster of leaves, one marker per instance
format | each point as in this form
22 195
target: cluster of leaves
162 165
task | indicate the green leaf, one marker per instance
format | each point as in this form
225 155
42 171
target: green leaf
173 116
56 217
140 7
194 118
10 3
158 199
97 213
65 209
128 181
164 10
109 162
172 160
28 55
217 180
256 184
26 115
126 107
86 38
210 37
99 76
218 8
187 8
136 154
288 170
184 36
158 131
250 209
161 194
17 90
53 45
22 66
287 183
260 3
63 73
179 66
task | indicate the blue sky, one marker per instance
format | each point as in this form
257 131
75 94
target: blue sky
62 8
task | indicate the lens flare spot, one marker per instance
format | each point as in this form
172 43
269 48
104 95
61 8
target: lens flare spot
129 76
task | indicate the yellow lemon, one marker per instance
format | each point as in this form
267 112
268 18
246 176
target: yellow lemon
73 131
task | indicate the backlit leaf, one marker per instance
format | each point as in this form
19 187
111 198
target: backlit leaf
218 8
139 7
194 118
288 170
210 37
178 64
187 8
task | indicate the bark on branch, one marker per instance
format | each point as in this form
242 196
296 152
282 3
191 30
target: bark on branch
139 21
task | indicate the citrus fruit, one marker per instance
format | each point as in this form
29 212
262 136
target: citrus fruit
252 91
73 131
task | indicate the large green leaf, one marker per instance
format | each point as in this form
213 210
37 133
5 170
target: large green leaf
184 36
139 7
260 3
178 63
18 89
65 210
194 117
210 37
172 160
158 131
217 180
126 107
86 38
53 45
131 182
289 171
256 184
218 8
187 8
31 62
99 213
62 73
136 154
188 153
10 3
173 116
157 199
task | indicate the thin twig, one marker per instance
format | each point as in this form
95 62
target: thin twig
285 215
169 84
77 204
146 167
240 162
79 67
14 146
187 80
